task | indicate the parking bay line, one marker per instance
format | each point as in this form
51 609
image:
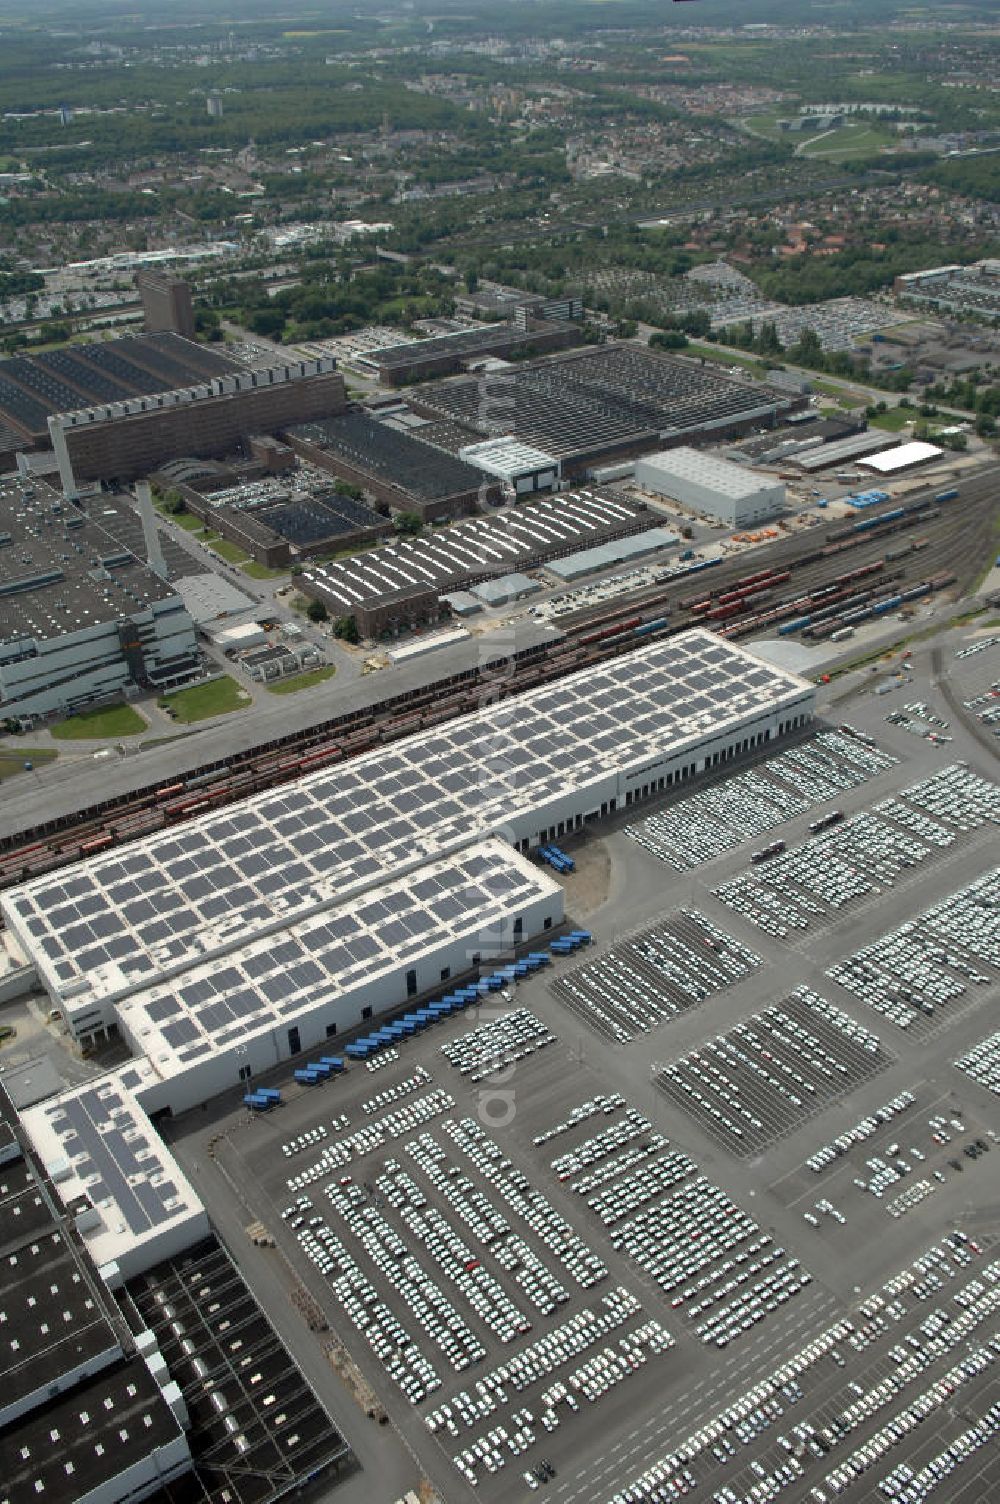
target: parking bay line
677 1416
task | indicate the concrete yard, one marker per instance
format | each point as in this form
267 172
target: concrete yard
450 1219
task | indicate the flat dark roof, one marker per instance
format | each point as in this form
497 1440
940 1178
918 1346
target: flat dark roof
67 1448
60 571
51 1321
218 1340
24 1211
398 458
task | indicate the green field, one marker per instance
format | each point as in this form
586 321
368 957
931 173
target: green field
202 701
12 762
302 681
855 139
100 725
187 520
260 571
894 420
725 357
231 552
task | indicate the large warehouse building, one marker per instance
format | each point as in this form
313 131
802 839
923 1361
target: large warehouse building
704 483
590 407
401 584
121 407
224 947
136 1363
81 617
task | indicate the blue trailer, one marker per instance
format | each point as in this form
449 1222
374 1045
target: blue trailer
272 1094
320 1069
541 956
583 936
793 626
308 1077
357 1051
335 1062
257 1101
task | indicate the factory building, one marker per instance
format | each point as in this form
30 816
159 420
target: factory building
131 438
521 466
393 465
602 405
123 1315
82 619
120 408
225 947
705 483
400 585
420 359
85 1413
166 303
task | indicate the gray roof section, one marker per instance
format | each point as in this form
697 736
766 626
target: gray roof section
60 571
606 555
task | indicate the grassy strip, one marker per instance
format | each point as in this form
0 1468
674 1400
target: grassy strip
202 701
99 725
302 681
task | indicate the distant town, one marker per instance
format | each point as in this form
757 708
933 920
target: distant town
499 616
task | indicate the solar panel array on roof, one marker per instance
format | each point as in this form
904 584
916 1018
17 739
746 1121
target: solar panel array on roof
33 386
43 383
479 547
118 921
27 413
271 981
83 375
396 457
113 1156
599 399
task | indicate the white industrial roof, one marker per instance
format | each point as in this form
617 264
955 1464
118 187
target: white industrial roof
96 1142
208 596
128 917
473 547
901 458
507 457
270 982
704 469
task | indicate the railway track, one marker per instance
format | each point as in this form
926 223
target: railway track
797 567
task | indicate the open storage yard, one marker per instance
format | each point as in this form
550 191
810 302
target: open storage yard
690 1208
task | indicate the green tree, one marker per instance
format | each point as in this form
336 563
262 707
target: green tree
316 611
668 339
408 524
346 628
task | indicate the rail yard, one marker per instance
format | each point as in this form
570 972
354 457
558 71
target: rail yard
813 585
